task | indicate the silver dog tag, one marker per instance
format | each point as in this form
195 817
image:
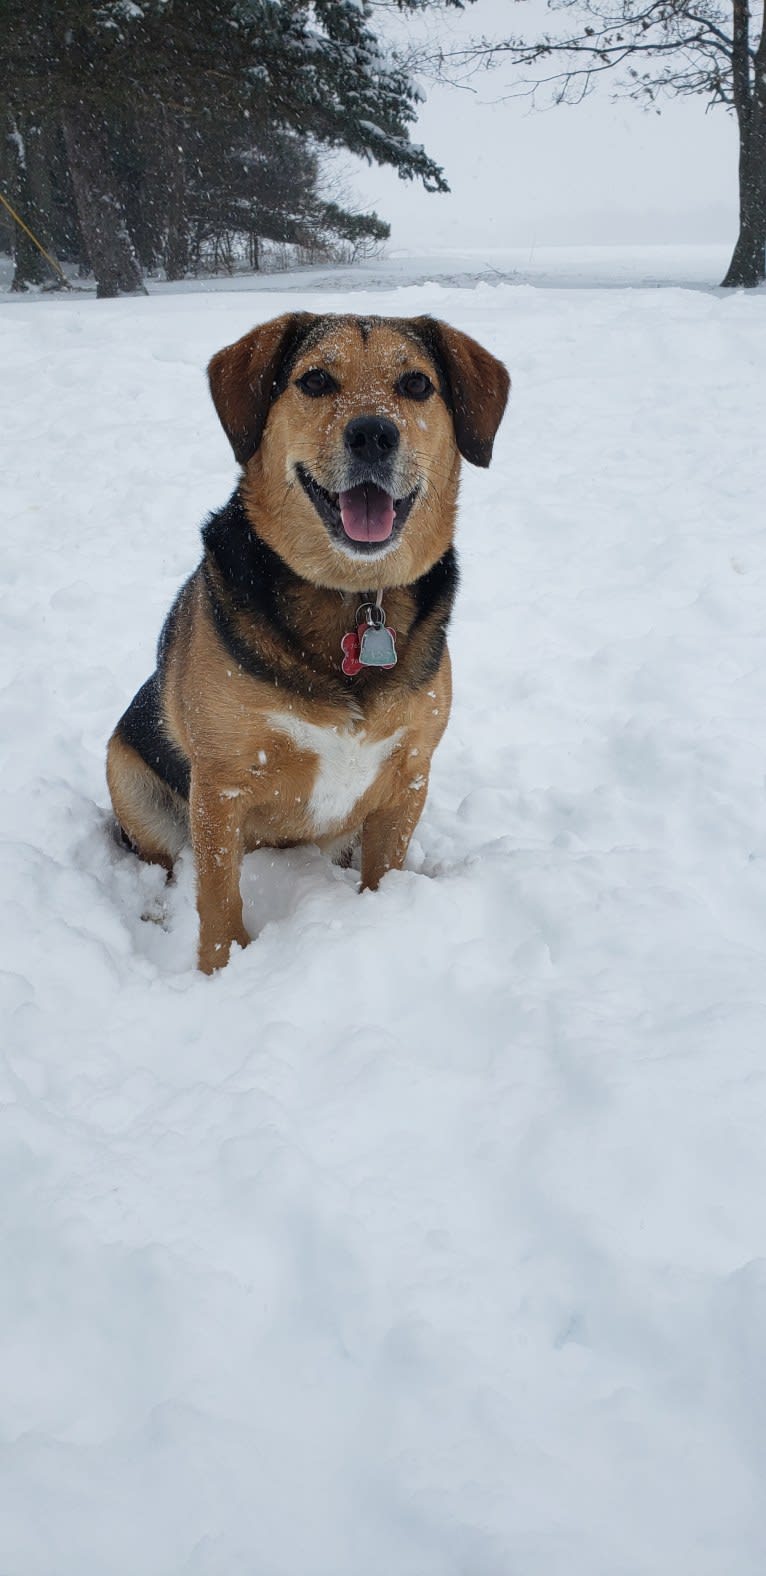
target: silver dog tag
377 647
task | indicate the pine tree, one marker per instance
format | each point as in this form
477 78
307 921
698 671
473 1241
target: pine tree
25 171
136 95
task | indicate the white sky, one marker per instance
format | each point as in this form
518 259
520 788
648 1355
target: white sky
599 171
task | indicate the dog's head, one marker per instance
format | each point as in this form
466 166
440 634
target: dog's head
351 430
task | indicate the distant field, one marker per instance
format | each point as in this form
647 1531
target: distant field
561 266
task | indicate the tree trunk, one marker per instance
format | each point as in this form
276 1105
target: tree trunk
748 263
30 265
177 232
110 249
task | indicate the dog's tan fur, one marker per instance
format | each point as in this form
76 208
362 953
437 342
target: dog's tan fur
252 768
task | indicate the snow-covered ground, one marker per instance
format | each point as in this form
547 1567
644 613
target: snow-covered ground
428 1239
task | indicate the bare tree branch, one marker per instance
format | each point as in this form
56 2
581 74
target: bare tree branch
649 48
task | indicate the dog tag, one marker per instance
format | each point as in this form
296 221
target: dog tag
371 644
377 647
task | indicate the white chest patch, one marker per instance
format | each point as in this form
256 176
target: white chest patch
348 763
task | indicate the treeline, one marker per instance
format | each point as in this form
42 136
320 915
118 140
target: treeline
173 135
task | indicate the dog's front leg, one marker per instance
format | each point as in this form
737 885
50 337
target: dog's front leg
215 817
386 836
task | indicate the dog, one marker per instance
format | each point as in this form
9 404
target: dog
303 678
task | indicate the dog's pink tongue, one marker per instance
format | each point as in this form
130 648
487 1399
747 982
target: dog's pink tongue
367 513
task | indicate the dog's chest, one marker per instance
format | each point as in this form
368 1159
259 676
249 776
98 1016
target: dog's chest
347 764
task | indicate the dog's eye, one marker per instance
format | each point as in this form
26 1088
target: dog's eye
415 385
316 382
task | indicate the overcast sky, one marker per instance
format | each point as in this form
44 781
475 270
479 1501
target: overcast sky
600 171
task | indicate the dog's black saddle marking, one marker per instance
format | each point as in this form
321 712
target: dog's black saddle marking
143 728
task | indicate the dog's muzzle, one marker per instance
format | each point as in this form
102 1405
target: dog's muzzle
365 510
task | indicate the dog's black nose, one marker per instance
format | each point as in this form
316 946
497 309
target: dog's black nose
371 439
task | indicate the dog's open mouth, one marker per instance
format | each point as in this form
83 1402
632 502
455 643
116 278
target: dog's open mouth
365 515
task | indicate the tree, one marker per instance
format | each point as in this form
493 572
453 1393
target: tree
108 241
23 168
60 60
264 189
657 47
138 91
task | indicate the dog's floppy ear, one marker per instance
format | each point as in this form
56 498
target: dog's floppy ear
242 378
475 385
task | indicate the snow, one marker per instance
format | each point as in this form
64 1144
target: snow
429 1238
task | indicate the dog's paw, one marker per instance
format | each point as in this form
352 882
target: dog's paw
156 913
214 955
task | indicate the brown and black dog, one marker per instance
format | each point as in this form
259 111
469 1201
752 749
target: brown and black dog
257 728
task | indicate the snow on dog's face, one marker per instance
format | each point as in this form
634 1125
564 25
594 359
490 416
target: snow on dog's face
351 431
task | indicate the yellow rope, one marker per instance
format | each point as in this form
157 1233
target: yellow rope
40 248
